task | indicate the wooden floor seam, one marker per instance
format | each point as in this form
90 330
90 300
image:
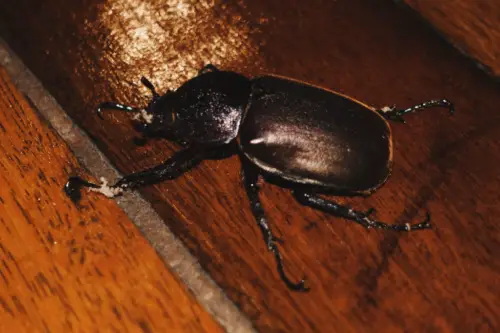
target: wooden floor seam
171 249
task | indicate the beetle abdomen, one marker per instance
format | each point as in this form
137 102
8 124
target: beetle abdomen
311 135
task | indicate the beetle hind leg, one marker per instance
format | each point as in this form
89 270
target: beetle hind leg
251 177
362 218
391 113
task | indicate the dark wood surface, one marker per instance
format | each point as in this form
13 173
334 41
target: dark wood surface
67 268
442 280
471 26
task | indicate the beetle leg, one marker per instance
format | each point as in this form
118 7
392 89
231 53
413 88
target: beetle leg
208 68
250 177
172 168
315 201
391 113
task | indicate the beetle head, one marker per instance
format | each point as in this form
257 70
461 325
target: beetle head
205 110
158 118
155 118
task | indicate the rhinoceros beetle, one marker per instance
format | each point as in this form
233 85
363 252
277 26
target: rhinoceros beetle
310 139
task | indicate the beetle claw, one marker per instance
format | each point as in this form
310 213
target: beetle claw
74 185
99 112
278 240
299 286
425 224
302 285
369 212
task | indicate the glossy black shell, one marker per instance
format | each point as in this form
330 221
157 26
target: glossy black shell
208 108
311 135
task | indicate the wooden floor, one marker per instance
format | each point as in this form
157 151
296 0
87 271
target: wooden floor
67 268
85 52
471 26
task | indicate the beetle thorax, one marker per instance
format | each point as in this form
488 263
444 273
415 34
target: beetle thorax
209 108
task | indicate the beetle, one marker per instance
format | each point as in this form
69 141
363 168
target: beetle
309 139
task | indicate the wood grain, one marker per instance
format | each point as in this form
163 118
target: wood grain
67 268
471 26
442 280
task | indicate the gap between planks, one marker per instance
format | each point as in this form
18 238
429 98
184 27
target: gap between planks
171 249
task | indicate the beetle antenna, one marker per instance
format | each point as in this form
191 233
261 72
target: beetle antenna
115 106
391 113
148 84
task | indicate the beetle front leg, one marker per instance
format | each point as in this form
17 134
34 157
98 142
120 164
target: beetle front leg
315 201
172 168
391 113
251 177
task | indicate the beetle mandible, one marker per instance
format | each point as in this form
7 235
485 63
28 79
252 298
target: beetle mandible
307 138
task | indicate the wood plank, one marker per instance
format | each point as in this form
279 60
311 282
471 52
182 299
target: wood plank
67 268
443 280
471 26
